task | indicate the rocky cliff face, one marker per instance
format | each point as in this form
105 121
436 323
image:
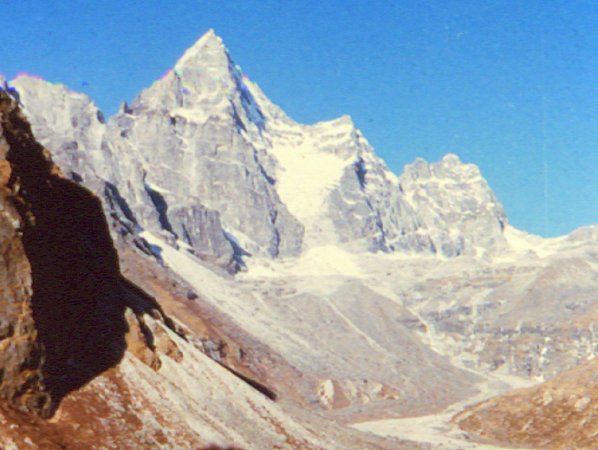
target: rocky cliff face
78 133
456 207
204 157
64 321
21 356
194 133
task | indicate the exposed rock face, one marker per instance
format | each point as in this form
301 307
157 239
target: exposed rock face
20 355
193 132
460 212
206 158
342 193
331 180
77 131
558 414
67 122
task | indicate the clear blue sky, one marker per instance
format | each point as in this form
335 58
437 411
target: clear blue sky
511 86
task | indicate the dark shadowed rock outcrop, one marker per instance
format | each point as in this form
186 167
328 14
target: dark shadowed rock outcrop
62 319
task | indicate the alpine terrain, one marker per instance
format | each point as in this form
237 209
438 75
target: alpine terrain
201 271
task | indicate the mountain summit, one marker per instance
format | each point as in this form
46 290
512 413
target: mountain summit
209 45
204 157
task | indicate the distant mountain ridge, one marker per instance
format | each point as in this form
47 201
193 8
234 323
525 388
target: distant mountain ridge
205 158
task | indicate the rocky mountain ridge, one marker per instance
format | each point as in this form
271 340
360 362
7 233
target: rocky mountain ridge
204 135
89 358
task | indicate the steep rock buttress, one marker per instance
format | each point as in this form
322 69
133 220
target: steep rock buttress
63 316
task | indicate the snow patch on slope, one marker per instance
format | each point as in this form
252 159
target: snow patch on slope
250 311
307 175
321 261
523 243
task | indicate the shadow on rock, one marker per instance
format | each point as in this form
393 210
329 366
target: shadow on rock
78 297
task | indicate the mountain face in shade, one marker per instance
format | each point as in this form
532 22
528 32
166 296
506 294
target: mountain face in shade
204 157
56 335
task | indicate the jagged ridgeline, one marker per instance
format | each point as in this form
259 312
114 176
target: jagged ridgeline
204 158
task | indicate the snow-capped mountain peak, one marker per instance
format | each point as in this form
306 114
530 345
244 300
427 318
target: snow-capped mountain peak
205 146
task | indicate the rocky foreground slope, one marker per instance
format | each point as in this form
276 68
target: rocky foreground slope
269 283
561 413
